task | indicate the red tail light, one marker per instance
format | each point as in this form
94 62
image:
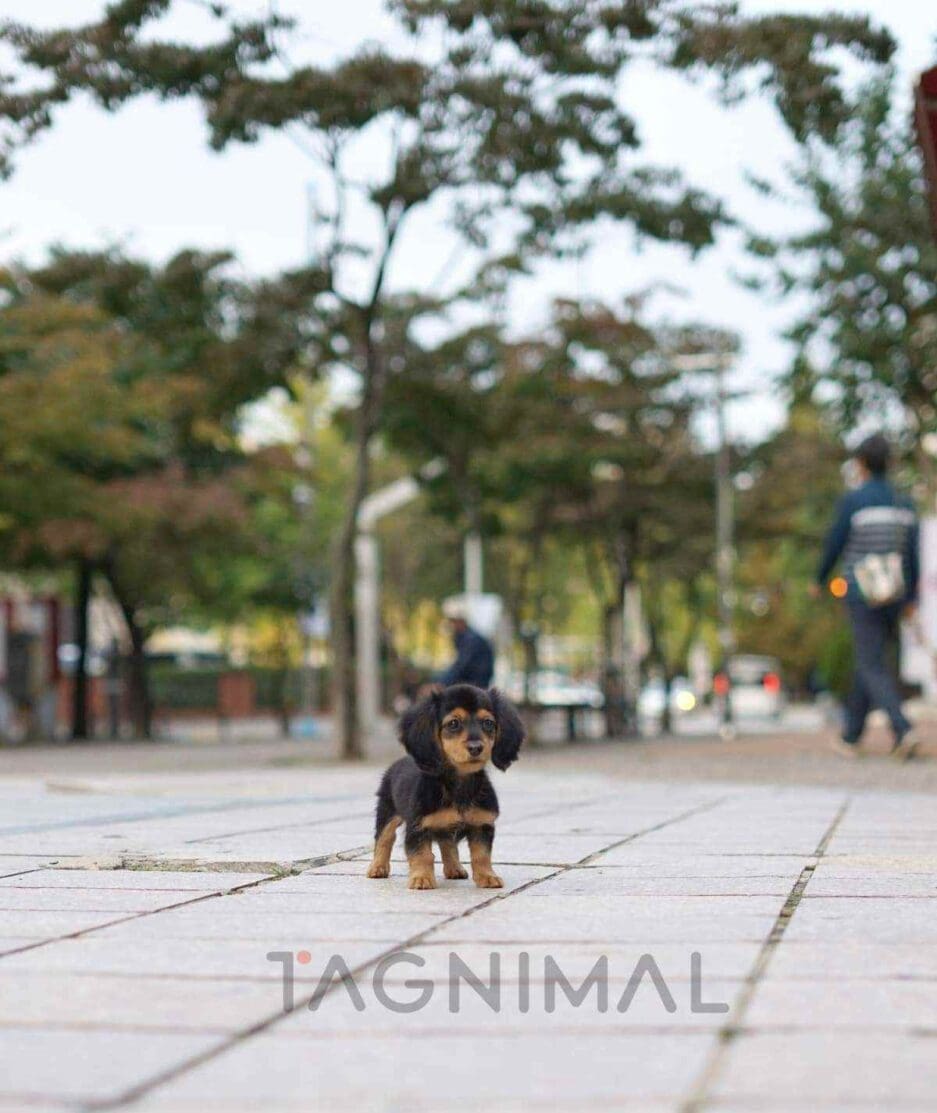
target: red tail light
721 684
772 682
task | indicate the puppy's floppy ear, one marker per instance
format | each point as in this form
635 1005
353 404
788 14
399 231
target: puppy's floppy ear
418 728
511 732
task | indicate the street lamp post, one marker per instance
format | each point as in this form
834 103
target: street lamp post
725 553
719 363
373 508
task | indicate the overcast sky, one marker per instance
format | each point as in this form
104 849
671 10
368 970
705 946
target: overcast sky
146 178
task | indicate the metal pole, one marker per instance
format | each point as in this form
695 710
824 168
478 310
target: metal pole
367 632
474 565
724 548
375 506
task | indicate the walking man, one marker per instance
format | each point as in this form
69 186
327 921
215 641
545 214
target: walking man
875 535
475 658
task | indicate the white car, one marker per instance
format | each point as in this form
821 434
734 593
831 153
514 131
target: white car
553 688
756 688
651 698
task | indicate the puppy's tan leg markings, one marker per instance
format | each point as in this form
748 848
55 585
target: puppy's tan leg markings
421 865
441 820
380 864
451 866
479 817
482 873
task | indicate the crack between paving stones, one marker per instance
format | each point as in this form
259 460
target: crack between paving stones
309 863
700 1094
134 1093
20 873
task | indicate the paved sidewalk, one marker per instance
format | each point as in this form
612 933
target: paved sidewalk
137 913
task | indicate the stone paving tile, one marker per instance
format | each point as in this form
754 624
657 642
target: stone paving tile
711 882
18 1105
353 879
451 1072
11 867
880 884
543 902
834 1005
355 864
266 927
897 849
460 1009
551 849
59 1063
45 924
374 900
173 1004
853 959
115 841
697 928
14 942
615 880
864 919
90 900
634 854
852 865
189 958
129 879
808 1070
639 864
674 960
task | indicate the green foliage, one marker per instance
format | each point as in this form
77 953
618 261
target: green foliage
869 267
573 452
782 520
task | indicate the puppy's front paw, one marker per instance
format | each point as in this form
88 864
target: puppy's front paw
489 881
422 881
455 873
377 870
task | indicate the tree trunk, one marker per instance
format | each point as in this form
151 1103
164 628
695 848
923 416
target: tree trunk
82 726
341 602
666 715
141 709
344 696
283 701
613 670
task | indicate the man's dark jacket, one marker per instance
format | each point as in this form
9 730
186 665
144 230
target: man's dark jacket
874 518
475 660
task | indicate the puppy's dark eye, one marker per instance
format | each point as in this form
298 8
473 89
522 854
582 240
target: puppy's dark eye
453 725
488 726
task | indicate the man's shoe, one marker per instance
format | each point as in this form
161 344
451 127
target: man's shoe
845 749
905 745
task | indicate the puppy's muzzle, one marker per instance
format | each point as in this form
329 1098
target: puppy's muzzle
474 748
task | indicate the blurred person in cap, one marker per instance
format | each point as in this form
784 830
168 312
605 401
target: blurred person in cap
475 657
875 538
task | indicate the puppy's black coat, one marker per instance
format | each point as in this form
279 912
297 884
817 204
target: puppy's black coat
440 791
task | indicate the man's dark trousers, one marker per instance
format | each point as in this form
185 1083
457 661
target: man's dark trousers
874 634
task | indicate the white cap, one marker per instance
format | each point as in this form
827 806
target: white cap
455 609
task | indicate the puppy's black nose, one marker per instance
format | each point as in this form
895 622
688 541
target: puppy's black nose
474 748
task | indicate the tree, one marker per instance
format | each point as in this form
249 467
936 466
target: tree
516 114
869 268
163 499
70 425
793 481
580 436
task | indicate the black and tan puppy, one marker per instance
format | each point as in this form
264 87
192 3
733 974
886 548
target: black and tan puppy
440 789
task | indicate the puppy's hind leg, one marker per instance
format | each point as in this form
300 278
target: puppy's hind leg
451 866
385 831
